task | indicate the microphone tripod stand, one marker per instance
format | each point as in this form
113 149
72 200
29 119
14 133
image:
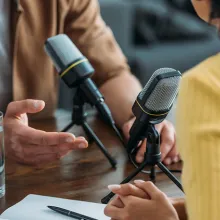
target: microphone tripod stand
152 158
79 118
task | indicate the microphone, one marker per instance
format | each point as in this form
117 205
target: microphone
153 103
151 107
75 70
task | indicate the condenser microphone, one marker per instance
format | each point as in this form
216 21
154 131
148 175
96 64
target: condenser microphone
75 70
153 103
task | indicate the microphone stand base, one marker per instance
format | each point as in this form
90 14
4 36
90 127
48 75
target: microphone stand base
152 158
79 118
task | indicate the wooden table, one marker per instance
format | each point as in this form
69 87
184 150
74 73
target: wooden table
82 175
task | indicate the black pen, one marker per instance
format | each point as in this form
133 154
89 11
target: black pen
70 213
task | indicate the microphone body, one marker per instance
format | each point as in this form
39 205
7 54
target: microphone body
153 104
75 70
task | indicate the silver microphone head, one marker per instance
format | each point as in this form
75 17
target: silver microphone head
161 90
62 51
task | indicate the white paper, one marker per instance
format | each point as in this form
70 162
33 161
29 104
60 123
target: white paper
34 207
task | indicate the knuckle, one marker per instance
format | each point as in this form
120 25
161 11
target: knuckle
129 187
161 195
149 184
11 105
44 139
169 140
107 211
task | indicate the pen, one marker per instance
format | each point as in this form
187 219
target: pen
70 213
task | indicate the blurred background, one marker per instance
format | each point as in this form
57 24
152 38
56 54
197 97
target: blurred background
155 34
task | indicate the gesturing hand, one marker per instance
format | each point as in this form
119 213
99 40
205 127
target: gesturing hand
30 146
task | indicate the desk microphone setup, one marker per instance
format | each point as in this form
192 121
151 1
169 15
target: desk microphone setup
75 70
150 108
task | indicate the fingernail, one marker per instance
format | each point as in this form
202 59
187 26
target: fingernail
70 139
140 158
114 187
176 159
81 138
37 104
167 161
82 146
139 181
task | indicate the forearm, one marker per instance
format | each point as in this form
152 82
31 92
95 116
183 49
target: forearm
120 93
179 205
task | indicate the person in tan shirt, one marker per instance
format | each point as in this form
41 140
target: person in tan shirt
35 79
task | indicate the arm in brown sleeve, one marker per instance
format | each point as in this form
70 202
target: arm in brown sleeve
95 40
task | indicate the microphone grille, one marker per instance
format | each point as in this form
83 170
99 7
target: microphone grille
155 74
164 94
62 51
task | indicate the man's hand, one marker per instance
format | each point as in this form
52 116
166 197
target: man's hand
157 207
30 146
168 142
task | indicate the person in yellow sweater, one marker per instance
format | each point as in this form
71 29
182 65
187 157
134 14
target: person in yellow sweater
198 138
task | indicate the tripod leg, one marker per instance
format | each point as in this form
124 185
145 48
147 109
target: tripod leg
152 174
90 138
170 175
99 144
68 127
107 198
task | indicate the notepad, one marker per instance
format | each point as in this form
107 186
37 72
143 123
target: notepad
34 207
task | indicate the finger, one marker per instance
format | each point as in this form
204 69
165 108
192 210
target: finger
128 201
32 136
127 189
160 126
79 143
113 212
149 188
25 106
34 150
37 160
126 128
177 158
167 141
173 154
141 152
117 202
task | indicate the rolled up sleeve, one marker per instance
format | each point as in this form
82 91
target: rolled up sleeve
95 40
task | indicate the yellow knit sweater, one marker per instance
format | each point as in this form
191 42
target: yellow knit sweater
198 139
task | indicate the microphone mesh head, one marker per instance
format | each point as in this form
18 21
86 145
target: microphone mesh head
62 51
164 93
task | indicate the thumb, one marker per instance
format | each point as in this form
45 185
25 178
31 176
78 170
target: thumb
149 188
25 106
141 152
126 128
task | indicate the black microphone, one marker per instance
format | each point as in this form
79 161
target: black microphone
151 107
153 103
75 70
